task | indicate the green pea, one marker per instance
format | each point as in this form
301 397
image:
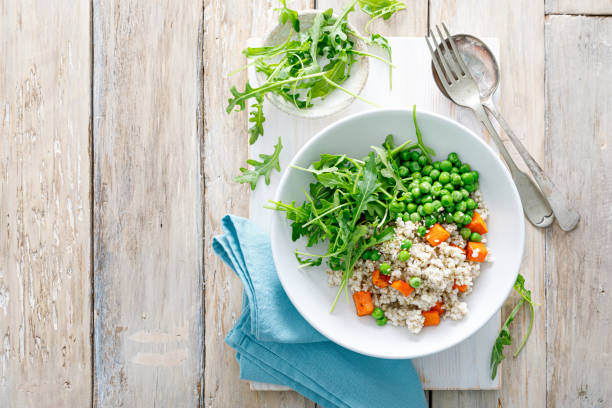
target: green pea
449 218
416 175
450 208
375 255
424 187
426 199
415 192
436 190
467 219
453 157
436 204
430 220
446 165
465 193
444 177
436 165
427 170
403 171
458 217
476 237
414 166
467 178
385 268
366 255
454 170
411 207
403 256
422 231
471 204
378 313
415 282
420 210
470 187
475 174
461 206
434 174
428 208
464 168
446 200
382 321
423 160
406 244
426 179
405 155
457 196
414 155
408 197
397 207
456 179
465 233
405 216
415 217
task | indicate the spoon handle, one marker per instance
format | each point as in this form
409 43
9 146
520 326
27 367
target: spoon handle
567 217
535 206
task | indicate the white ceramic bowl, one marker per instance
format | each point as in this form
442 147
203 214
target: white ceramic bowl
336 100
308 288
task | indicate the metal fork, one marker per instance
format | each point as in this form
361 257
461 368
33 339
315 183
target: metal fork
462 89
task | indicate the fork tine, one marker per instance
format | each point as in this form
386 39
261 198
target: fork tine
441 75
449 74
456 52
456 70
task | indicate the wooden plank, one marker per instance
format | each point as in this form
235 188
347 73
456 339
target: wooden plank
409 22
592 7
45 234
147 203
519 27
579 136
228 25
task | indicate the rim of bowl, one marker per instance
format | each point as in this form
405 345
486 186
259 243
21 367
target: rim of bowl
326 130
362 70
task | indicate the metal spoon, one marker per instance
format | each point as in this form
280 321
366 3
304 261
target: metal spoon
485 70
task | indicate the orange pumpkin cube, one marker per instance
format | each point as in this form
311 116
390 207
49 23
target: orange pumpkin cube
432 318
363 303
460 288
477 224
380 280
403 287
436 235
476 251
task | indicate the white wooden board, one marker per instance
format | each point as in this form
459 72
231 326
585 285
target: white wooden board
465 366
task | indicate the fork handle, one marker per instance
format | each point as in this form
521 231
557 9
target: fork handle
535 205
567 217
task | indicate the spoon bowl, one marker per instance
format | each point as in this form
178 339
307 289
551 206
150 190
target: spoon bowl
480 61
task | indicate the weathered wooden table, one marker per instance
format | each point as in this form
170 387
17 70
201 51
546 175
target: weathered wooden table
116 161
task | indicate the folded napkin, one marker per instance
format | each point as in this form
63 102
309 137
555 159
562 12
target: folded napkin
275 344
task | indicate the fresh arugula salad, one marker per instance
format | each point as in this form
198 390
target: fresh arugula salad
308 66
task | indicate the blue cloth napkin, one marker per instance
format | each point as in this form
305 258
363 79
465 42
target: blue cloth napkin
275 344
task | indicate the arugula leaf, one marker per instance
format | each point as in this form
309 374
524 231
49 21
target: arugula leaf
287 14
257 118
504 338
427 151
379 40
390 171
366 187
380 9
262 168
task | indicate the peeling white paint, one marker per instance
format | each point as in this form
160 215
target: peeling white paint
169 359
